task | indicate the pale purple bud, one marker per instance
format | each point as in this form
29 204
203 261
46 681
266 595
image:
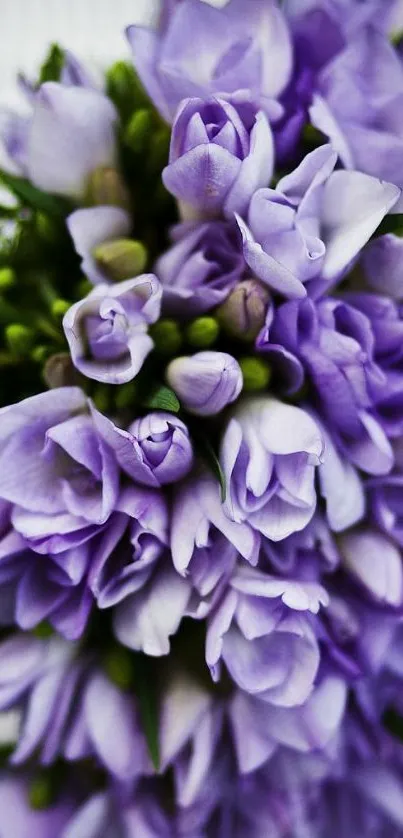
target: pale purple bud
243 314
206 382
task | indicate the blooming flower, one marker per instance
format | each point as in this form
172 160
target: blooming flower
107 331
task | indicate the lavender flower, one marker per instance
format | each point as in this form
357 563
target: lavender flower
91 227
248 48
268 454
221 152
107 331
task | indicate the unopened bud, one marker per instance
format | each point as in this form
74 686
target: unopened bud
243 314
138 130
7 278
256 374
19 338
203 332
41 792
106 188
124 88
206 382
59 371
59 308
167 336
121 258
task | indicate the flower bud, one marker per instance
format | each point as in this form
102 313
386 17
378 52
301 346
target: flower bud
243 314
7 278
19 338
121 258
162 449
59 371
167 336
256 374
203 332
138 130
206 382
106 188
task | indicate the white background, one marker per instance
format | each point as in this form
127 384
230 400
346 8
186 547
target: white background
93 29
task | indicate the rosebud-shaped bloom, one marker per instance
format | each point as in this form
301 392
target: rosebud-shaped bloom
107 331
221 153
200 269
206 382
244 312
154 450
268 454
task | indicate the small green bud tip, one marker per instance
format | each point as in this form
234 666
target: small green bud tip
203 332
40 354
166 336
41 793
19 338
256 374
106 187
59 308
121 258
43 630
138 130
7 278
118 665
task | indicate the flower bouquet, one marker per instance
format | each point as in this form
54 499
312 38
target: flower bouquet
201 459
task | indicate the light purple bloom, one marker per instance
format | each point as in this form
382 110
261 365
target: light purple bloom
107 331
261 632
313 224
359 104
221 153
382 261
200 269
19 820
91 227
59 146
198 50
375 562
45 679
269 453
206 382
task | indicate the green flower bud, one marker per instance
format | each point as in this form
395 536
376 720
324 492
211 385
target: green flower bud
19 338
59 308
7 278
125 89
39 354
46 228
118 665
138 130
41 792
43 630
166 336
159 149
106 187
243 314
256 374
121 258
203 332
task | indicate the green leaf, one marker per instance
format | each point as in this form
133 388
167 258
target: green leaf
52 67
390 224
32 197
148 706
163 399
210 456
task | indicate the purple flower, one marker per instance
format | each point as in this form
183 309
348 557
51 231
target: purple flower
58 147
107 331
262 634
206 382
91 227
313 224
375 562
221 153
385 496
200 530
382 261
249 49
359 104
269 453
18 819
200 269
45 679
345 347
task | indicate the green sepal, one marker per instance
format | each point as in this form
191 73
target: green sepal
53 64
162 398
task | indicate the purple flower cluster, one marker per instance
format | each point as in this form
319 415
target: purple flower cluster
219 498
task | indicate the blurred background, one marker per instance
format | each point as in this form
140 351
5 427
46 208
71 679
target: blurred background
93 29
